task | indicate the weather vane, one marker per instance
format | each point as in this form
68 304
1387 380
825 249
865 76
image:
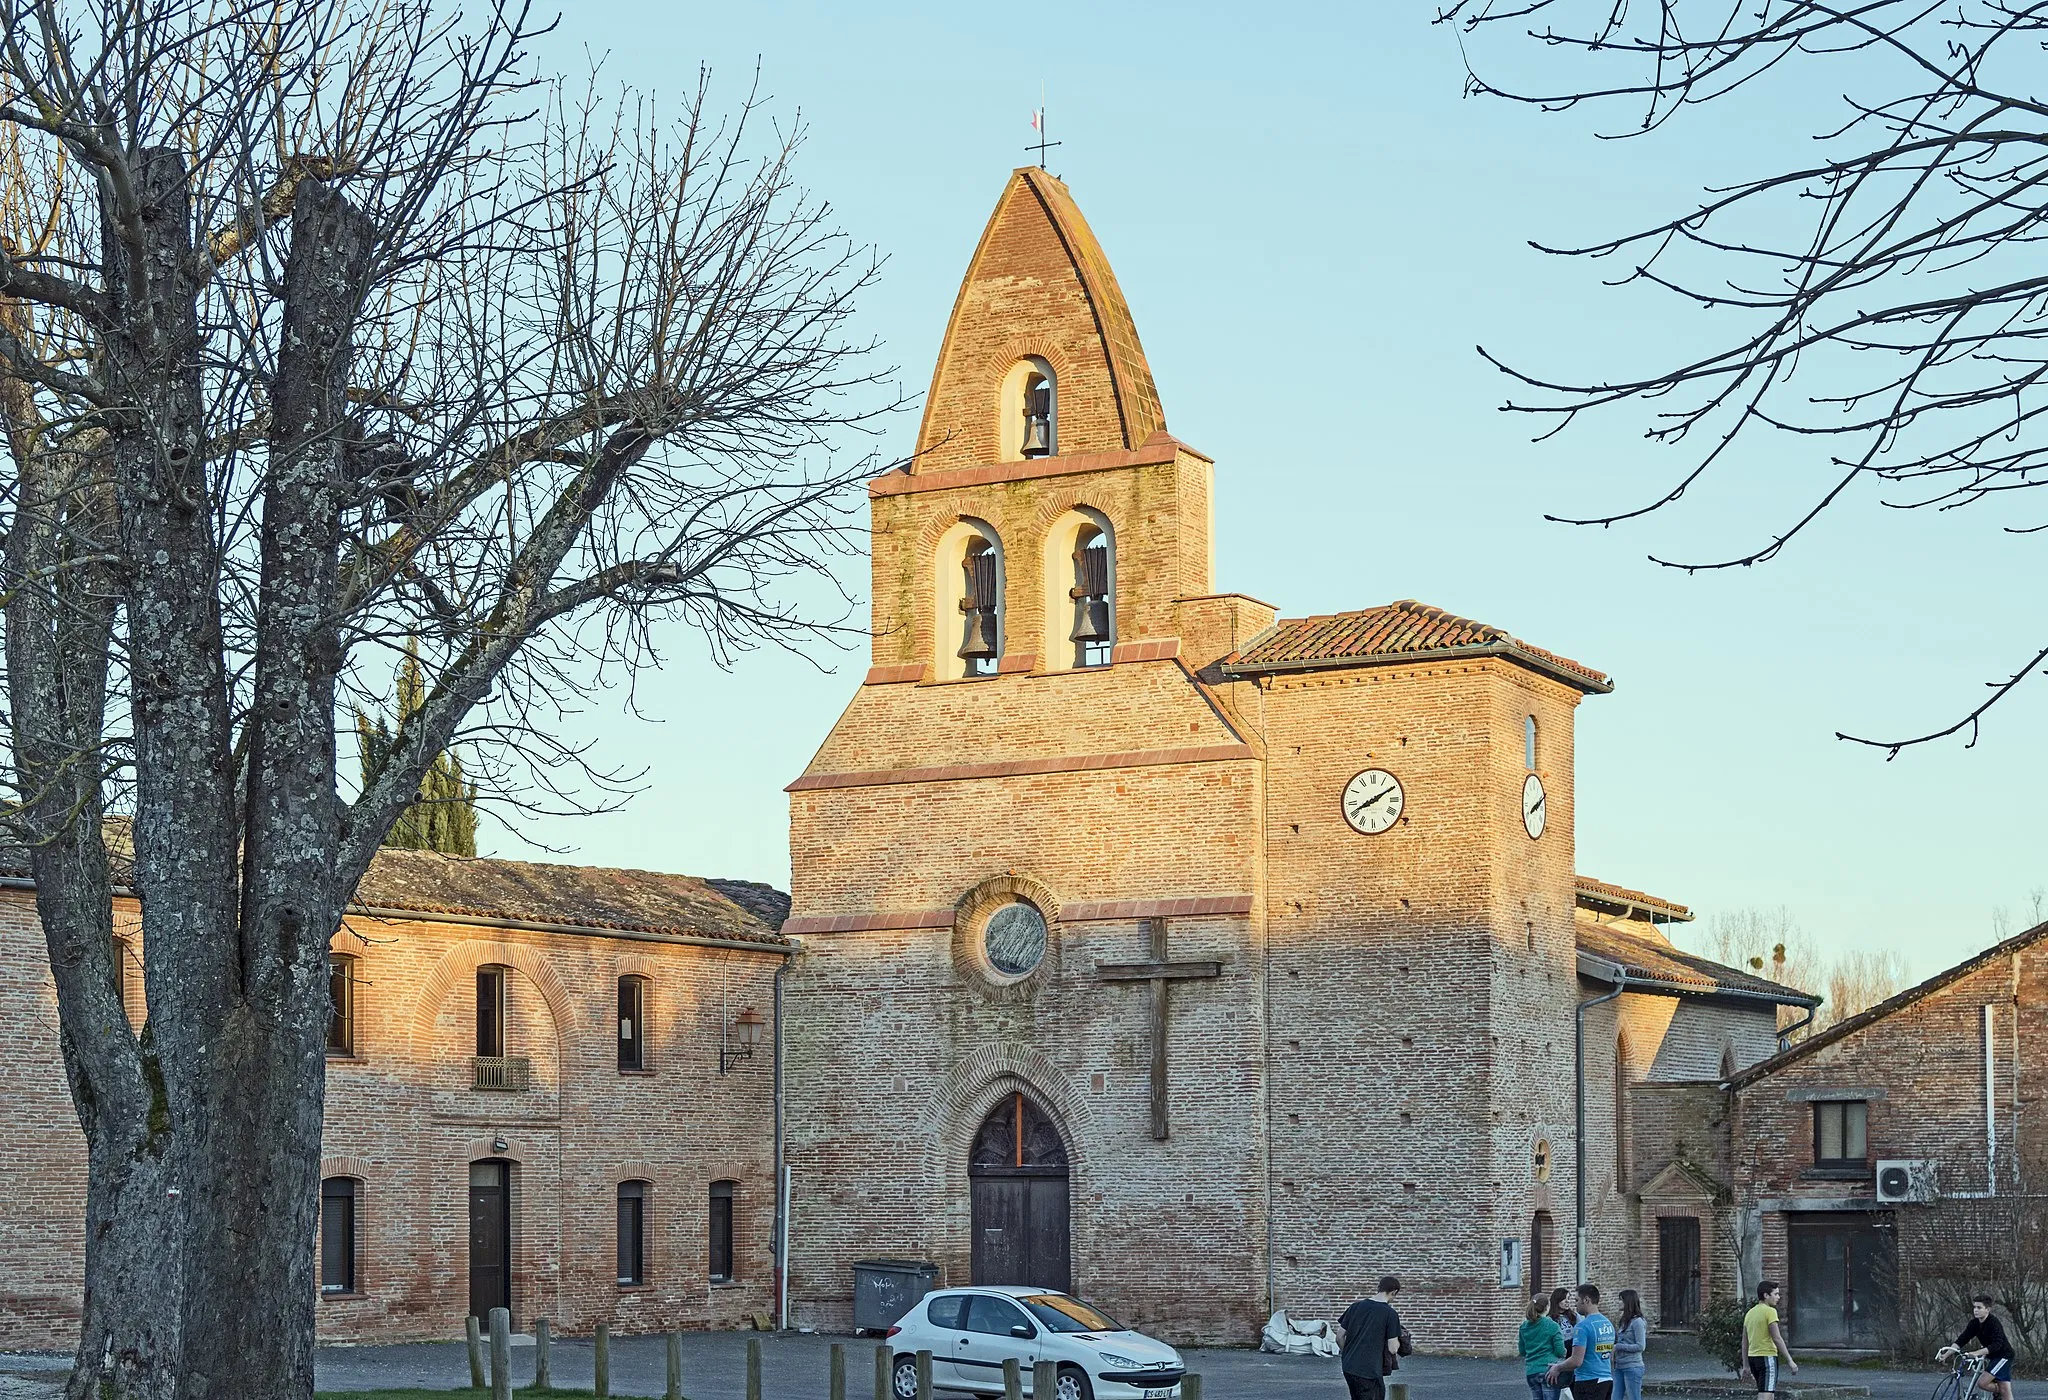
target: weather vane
1038 125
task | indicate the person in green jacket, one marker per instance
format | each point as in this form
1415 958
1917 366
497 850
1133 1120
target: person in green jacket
1542 1347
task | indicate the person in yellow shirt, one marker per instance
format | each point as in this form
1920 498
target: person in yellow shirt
1764 1339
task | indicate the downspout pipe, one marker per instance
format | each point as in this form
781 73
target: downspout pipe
781 1185
1785 1035
1579 1073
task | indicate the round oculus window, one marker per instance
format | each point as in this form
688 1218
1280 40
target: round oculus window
1014 939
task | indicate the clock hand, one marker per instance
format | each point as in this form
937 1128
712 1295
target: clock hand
1370 800
1536 804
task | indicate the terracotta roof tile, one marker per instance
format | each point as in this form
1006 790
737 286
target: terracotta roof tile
1600 892
577 896
1396 632
1652 960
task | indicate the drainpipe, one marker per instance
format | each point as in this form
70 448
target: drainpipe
1785 1035
781 1172
1579 1073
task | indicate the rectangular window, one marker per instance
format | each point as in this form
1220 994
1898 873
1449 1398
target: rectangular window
1840 1133
341 993
721 1232
490 1011
632 1232
632 1023
338 1235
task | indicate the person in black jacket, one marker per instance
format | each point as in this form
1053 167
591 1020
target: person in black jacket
1988 1335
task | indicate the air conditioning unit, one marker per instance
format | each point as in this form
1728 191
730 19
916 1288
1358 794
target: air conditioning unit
1902 1181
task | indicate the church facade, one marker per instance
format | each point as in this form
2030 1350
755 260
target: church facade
1205 961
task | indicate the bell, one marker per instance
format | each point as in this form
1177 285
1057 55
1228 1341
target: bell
1037 436
1091 619
981 634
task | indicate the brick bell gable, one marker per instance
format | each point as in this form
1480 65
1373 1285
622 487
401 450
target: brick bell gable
1038 284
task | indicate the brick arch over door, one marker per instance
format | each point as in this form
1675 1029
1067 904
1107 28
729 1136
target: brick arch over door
956 1113
463 960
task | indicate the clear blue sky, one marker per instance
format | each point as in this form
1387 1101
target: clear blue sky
1314 230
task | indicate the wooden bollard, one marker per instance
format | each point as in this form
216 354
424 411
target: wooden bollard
1397 1390
1013 1378
1045 1380
753 1368
543 1377
501 1354
1190 1388
475 1334
924 1375
674 1390
603 1341
837 1382
883 1364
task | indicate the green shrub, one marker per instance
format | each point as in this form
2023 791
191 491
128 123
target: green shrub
1721 1331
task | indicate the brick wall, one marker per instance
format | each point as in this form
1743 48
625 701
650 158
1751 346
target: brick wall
402 1118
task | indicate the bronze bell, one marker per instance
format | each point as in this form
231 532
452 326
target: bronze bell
981 634
1038 420
1091 619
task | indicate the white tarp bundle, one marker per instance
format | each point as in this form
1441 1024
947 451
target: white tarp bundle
1291 1338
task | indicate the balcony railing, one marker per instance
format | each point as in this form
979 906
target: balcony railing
505 1074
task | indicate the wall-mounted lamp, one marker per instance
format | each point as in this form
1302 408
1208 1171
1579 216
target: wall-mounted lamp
746 1030
500 1145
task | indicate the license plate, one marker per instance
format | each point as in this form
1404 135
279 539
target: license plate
1163 1393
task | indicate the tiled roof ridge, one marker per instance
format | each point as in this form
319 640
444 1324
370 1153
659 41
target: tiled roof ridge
1657 958
1392 632
1898 1001
1600 889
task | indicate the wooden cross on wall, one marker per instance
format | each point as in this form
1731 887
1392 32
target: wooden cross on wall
1162 974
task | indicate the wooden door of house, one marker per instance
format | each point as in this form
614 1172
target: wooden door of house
1017 1184
1678 1270
490 1238
1844 1280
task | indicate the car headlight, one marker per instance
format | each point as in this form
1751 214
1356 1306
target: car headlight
1110 1358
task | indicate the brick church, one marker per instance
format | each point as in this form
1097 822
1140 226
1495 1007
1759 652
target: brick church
1202 960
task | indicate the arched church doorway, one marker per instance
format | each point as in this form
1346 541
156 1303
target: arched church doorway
1017 1177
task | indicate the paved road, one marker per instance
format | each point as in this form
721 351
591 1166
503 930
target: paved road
794 1368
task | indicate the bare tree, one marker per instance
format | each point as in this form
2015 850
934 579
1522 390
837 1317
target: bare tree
1882 297
1859 979
323 327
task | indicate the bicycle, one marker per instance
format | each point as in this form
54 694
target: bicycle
1961 1381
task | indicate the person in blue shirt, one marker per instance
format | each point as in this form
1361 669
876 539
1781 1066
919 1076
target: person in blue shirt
1589 1370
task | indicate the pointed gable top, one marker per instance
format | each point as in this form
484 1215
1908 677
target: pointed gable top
1038 285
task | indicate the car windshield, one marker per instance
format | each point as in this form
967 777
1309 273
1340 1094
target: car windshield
1060 1313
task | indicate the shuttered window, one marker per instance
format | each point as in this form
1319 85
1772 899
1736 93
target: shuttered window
632 1232
721 1231
338 1235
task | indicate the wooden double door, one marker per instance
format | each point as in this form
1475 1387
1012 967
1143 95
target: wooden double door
490 1238
1017 1183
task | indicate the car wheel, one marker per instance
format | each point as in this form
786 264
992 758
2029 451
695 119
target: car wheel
904 1379
1073 1385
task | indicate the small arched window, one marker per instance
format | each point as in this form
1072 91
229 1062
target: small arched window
338 1235
632 1233
721 1231
1092 622
632 1023
341 995
1620 1113
969 613
1529 742
1728 1059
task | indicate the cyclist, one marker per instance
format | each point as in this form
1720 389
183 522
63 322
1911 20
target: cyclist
1988 1333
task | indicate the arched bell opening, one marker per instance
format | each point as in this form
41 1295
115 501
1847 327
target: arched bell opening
969 612
1080 591
1029 408
1017 1181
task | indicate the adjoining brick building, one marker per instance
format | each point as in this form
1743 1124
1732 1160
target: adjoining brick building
1890 1166
548 1087
1207 961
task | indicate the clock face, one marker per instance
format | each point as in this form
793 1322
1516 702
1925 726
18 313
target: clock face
1533 809
1372 801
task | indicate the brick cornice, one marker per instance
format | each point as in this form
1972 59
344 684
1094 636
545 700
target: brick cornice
1011 768
1156 451
1072 912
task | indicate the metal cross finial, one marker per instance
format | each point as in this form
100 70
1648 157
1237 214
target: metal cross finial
1038 124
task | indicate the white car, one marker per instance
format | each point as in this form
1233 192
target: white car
971 1331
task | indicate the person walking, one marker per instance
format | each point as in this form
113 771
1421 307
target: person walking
1764 1339
1367 1335
1631 1334
1591 1363
1542 1347
1567 1323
